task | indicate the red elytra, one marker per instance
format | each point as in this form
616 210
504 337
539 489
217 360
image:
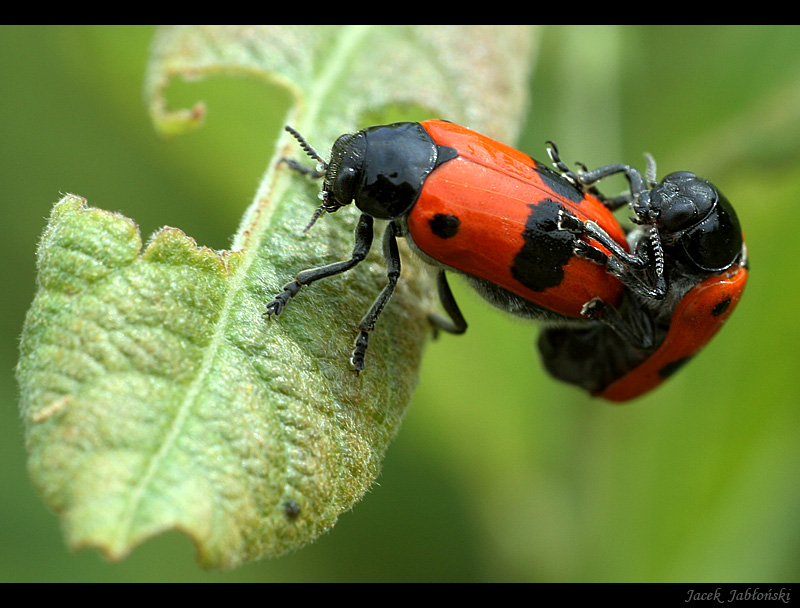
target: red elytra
506 204
697 318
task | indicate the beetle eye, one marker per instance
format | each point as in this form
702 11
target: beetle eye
682 200
680 213
343 189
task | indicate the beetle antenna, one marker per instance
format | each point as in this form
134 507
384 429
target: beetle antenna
307 148
650 174
317 213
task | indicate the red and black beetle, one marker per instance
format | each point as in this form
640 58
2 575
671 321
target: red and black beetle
469 204
622 312
684 278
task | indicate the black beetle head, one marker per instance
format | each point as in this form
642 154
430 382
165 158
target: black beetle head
343 173
695 221
382 169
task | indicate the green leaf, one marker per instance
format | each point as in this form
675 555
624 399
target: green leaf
156 397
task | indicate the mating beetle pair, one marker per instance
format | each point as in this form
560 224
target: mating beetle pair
541 244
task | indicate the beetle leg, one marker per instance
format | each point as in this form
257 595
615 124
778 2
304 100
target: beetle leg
363 242
555 158
392 257
456 324
570 223
302 169
575 179
585 179
641 272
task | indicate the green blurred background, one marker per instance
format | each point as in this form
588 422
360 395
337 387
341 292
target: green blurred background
499 472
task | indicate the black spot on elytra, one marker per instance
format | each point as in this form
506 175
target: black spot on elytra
540 262
444 226
721 307
558 183
671 368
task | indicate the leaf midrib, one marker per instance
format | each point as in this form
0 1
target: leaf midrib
341 50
